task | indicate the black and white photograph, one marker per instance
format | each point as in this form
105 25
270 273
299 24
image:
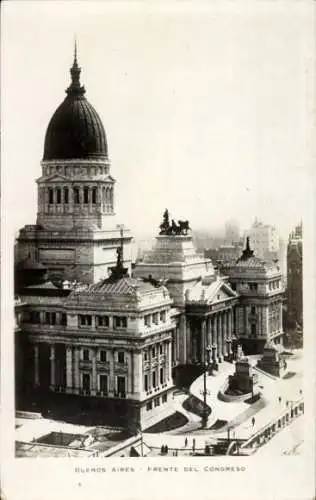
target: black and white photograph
156 176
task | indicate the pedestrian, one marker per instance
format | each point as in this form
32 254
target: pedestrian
193 444
280 399
253 421
166 449
186 442
287 404
162 449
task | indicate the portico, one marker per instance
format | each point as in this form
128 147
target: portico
210 319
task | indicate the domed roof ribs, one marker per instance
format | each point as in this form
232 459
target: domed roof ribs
75 131
75 88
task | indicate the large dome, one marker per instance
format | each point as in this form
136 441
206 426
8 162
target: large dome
75 131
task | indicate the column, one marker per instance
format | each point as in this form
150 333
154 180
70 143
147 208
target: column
36 365
203 343
219 337
80 195
169 363
209 331
229 335
182 339
68 369
178 333
214 339
224 333
76 369
188 341
52 367
112 388
138 371
131 375
90 200
94 373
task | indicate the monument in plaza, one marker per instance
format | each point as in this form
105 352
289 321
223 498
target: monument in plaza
272 360
243 381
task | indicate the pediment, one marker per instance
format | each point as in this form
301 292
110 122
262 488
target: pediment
221 292
52 178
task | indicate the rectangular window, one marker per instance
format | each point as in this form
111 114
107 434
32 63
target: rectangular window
145 355
155 318
157 401
164 398
94 195
35 317
121 385
253 287
120 322
63 319
146 382
161 349
147 320
253 309
85 319
161 376
86 382
66 195
163 316
85 195
86 355
103 357
50 196
149 406
103 321
104 383
153 352
154 379
121 357
58 196
76 195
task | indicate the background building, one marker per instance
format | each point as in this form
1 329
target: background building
264 240
294 295
232 231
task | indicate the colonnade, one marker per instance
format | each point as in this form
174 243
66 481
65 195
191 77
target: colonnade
53 198
215 333
75 366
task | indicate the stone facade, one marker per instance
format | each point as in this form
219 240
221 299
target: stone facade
295 278
261 294
108 341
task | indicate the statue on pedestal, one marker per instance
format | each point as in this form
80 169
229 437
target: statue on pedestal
166 228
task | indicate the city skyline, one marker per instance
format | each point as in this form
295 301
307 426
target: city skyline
200 122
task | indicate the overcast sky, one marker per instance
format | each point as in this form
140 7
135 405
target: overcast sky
207 111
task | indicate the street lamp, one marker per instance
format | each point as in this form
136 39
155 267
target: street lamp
206 363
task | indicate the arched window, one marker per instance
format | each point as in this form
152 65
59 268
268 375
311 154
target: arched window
66 195
85 195
58 195
76 195
50 195
94 195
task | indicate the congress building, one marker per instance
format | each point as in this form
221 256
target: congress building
94 332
